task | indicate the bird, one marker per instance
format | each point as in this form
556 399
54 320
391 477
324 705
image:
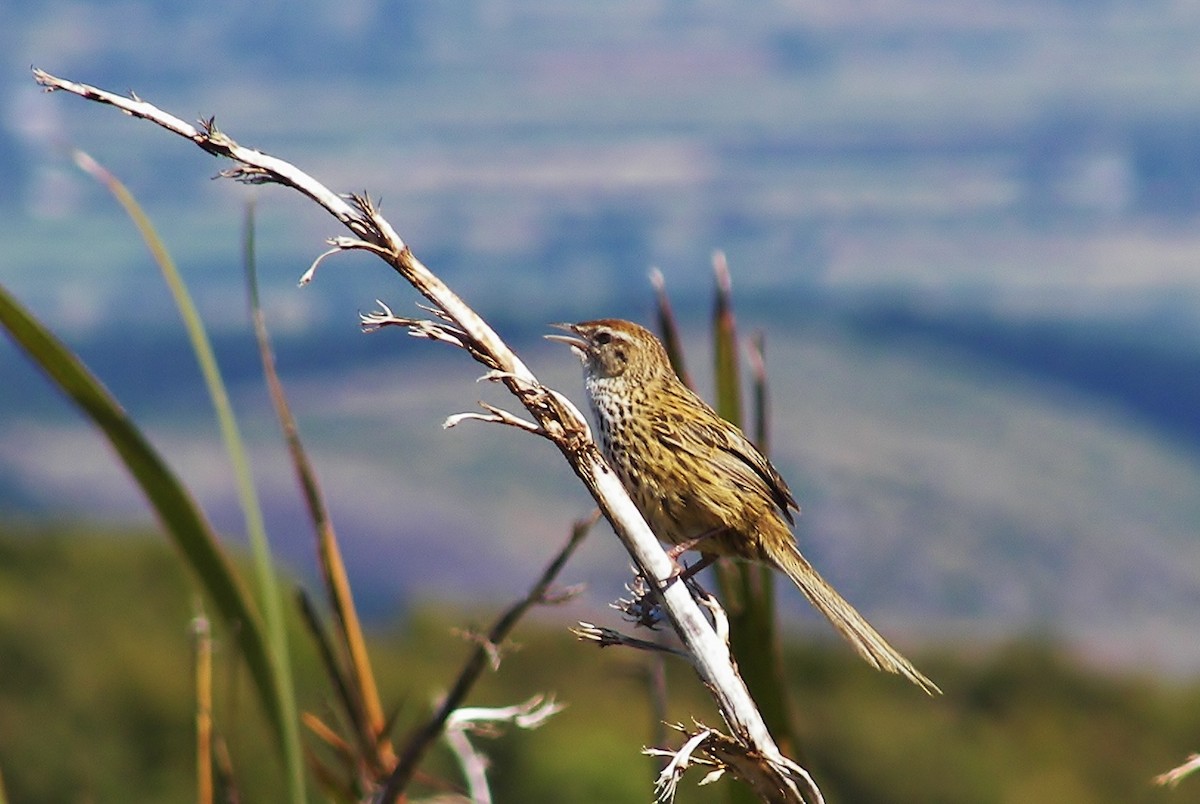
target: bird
697 480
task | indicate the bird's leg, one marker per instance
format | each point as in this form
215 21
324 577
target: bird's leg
706 559
682 572
690 544
689 573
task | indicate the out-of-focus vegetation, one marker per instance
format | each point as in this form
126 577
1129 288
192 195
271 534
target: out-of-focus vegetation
96 702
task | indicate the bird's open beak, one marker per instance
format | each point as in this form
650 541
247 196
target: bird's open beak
578 345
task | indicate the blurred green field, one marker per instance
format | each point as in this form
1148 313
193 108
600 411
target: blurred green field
96 702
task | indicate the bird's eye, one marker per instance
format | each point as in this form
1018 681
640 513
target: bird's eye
603 337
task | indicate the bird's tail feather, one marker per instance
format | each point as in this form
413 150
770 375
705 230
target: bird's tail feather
846 619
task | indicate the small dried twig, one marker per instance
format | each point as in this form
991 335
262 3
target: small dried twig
709 747
494 415
494 652
1176 775
668 780
529 715
642 607
202 645
709 601
607 637
462 722
417 327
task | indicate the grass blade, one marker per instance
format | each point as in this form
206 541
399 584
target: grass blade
202 670
345 692
276 631
668 327
172 504
725 351
748 588
369 719
760 391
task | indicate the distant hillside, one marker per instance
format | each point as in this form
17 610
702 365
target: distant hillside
959 477
1149 367
95 702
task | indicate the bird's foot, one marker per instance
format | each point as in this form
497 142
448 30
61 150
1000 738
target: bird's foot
642 607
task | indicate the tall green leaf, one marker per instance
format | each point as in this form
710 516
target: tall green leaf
174 506
668 328
264 565
749 589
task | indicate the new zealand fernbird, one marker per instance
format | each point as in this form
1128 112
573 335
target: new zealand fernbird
696 479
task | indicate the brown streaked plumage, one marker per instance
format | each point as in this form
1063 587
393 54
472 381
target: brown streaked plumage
692 474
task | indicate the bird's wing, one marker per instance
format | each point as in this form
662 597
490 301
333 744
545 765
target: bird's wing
742 455
725 445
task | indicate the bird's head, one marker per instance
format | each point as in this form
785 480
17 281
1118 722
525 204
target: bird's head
612 348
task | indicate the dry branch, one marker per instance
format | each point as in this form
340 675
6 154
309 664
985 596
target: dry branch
759 762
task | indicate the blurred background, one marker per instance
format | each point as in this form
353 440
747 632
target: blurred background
968 231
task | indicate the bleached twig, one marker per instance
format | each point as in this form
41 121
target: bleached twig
607 637
668 779
527 715
709 747
494 415
773 777
1176 775
462 722
719 617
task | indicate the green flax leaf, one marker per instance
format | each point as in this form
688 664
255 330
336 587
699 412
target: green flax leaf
173 505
